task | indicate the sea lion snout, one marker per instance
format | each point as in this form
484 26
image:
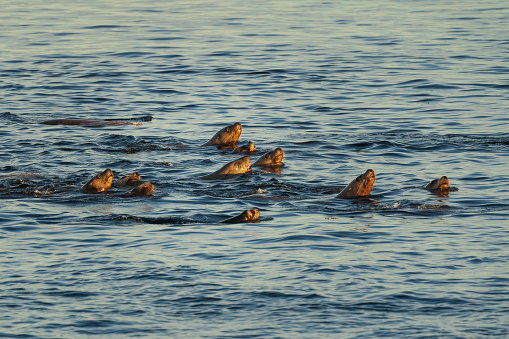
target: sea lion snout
359 187
246 216
100 183
441 184
227 136
271 159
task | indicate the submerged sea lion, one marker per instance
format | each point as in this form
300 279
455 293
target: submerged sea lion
226 136
100 183
143 190
441 184
251 215
132 179
271 159
231 169
360 187
246 216
247 148
98 123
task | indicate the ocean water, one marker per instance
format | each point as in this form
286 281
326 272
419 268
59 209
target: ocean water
411 89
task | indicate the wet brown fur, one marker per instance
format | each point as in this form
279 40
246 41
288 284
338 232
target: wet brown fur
246 216
100 183
359 187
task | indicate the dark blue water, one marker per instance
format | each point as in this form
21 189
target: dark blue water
414 90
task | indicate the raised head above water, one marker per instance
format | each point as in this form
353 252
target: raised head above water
226 136
132 179
100 183
231 169
271 159
439 185
143 190
247 148
359 187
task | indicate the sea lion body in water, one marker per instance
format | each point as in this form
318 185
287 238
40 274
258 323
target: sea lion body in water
439 185
246 216
359 187
226 136
271 159
100 183
98 123
231 169
143 190
247 148
132 179
251 215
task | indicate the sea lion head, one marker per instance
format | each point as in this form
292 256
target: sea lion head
365 183
132 179
250 146
273 158
246 216
247 148
251 215
440 185
233 168
100 183
360 187
143 190
238 166
226 136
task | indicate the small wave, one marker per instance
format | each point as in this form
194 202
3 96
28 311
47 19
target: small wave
104 27
436 86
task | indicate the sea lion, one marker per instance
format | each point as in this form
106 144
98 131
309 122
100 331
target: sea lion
226 136
359 187
143 190
440 185
100 183
97 123
247 148
231 169
132 179
246 216
271 159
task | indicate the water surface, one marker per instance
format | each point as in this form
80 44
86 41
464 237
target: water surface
413 90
